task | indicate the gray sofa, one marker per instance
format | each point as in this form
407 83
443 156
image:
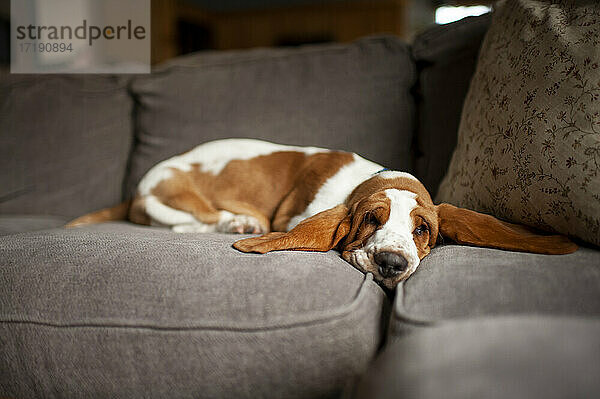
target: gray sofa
120 310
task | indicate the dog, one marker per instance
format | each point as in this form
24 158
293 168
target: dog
313 199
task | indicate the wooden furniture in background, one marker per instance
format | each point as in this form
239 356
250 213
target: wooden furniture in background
179 27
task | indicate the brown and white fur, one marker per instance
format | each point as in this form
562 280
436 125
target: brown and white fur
313 199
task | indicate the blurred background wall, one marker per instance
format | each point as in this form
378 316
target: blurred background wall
184 26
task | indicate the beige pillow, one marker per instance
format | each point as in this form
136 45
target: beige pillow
529 140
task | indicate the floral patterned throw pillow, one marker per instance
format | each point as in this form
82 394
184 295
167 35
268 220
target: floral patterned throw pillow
529 139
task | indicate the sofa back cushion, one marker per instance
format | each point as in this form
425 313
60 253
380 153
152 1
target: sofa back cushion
353 97
64 143
446 56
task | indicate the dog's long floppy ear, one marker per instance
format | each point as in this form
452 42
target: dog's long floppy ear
468 227
320 232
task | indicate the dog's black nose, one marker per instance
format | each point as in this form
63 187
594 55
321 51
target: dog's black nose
390 263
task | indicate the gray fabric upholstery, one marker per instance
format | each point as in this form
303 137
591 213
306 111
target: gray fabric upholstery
117 310
65 143
446 56
459 281
344 96
12 224
508 357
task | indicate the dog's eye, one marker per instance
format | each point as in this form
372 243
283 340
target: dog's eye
422 229
371 219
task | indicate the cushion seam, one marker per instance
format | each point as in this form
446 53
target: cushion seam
307 319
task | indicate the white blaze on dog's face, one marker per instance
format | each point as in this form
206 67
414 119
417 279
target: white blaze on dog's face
393 230
392 246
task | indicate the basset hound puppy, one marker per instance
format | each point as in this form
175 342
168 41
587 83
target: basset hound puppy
313 199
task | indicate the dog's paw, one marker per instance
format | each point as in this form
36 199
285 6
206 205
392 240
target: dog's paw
239 224
359 259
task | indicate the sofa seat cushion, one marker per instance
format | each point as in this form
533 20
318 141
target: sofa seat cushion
459 281
118 310
13 224
506 357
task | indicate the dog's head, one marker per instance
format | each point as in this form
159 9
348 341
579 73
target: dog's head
389 223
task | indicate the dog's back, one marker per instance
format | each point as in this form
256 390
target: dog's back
210 186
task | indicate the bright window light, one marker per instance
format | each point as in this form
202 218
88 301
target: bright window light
447 14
